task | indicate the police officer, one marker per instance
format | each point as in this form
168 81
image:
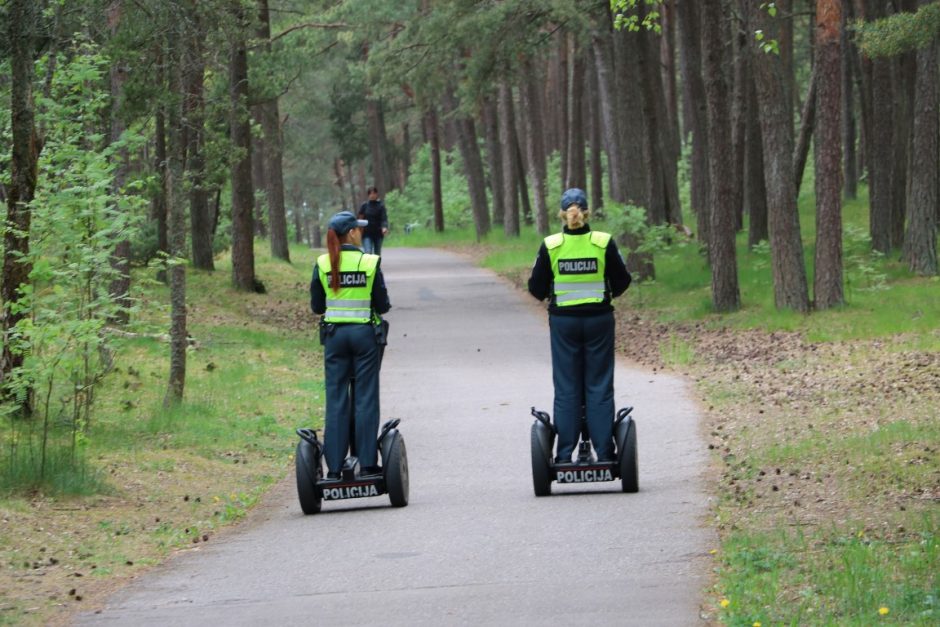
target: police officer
580 271
349 291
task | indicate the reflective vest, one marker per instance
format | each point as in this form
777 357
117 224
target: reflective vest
353 301
578 267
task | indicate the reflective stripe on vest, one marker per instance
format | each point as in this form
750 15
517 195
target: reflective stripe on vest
353 301
578 267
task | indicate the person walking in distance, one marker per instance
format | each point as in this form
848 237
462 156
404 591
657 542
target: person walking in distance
373 211
348 290
580 271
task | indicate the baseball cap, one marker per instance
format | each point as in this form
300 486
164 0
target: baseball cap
574 196
344 221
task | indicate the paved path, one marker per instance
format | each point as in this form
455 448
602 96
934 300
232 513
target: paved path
468 356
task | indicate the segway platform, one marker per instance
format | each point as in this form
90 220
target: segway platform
391 478
585 469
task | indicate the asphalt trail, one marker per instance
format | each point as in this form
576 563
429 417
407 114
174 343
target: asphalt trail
467 357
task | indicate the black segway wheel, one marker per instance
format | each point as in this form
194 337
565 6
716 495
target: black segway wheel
629 466
396 471
541 471
309 471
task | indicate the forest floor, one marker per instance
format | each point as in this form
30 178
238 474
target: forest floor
826 440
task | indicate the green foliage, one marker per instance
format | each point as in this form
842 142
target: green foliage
414 206
77 219
899 33
631 221
626 17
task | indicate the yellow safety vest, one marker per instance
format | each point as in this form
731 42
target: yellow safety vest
578 267
353 302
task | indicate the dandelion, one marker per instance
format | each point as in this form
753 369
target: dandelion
713 551
756 623
883 610
724 603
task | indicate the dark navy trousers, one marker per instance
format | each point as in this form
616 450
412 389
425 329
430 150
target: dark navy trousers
583 374
351 358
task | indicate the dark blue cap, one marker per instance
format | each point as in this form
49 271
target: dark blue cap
344 221
574 196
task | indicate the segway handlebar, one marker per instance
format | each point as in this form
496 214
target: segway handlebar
542 416
623 413
309 435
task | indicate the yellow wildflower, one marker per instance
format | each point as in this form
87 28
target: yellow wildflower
883 610
724 603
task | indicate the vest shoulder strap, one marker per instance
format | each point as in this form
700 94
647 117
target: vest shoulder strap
554 241
369 262
600 239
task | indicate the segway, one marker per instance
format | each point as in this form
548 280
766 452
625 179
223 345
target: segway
391 478
586 469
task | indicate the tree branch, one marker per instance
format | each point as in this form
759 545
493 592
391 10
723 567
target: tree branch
319 25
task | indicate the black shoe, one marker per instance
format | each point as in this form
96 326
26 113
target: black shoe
559 460
371 470
332 475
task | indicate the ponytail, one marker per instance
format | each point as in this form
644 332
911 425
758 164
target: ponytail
333 248
574 217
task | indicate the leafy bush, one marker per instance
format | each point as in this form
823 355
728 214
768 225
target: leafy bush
78 217
413 207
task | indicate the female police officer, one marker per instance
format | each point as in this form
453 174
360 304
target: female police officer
580 270
349 290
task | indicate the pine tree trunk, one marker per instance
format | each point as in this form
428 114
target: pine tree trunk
406 153
563 117
905 66
473 165
494 157
243 196
510 164
725 293
827 282
632 126
576 174
694 92
668 65
23 165
159 201
199 218
755 191
258 177
273 154
849 132
595 141
807 123
377 145
607 105
535 148
651 155
659 127
739 100
920 245
786 247
176 199
121 258
434 136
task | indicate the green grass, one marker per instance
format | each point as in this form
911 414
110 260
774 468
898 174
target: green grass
830 578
